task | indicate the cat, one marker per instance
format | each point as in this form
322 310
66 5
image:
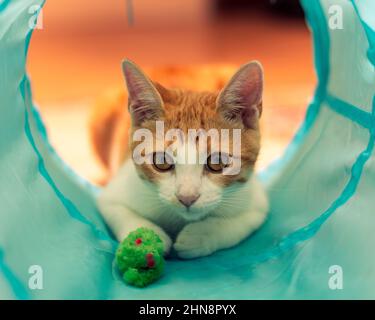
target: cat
195 208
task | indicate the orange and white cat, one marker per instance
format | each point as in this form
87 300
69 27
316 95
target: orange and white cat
194 207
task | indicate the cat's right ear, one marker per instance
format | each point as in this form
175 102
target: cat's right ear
144 101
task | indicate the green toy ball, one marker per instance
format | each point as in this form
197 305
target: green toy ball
140 257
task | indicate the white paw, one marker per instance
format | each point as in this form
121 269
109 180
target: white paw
192 242
167 242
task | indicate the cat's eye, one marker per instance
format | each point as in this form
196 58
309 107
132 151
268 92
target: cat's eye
162 161
217 162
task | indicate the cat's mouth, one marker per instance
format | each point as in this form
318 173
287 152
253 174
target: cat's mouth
195 212
191 216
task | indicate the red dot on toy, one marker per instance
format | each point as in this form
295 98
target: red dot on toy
138 241
150 260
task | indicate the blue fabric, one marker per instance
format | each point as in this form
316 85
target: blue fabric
320 191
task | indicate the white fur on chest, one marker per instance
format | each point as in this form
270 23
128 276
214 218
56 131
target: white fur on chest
128 191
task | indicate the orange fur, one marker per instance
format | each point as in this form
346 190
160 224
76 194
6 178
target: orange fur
197 110
110 121
108 128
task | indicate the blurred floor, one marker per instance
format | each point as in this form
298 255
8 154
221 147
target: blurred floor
70 70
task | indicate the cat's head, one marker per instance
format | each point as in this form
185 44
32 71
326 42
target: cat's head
194 180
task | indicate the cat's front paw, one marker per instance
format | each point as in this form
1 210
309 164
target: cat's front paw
192 242
167 244
167 241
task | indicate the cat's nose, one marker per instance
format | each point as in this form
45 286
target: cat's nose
188 200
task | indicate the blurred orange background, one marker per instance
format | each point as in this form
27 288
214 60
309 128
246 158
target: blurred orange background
76 57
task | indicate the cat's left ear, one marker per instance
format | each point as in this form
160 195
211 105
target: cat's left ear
241 99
